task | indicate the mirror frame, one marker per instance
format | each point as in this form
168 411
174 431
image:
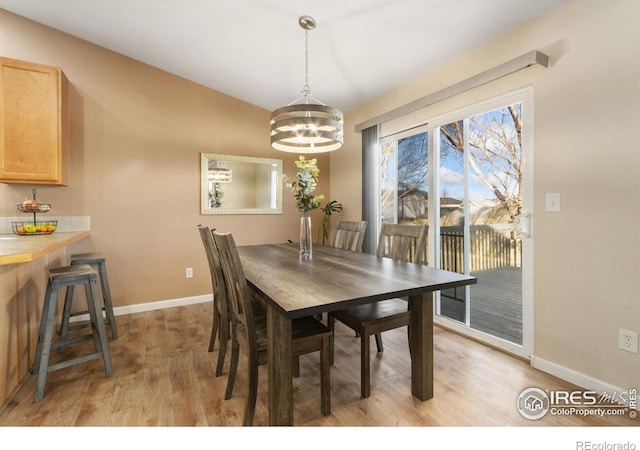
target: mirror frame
204 187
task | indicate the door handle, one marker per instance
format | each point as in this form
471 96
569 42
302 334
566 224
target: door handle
522 224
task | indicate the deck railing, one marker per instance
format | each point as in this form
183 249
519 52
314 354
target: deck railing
492 246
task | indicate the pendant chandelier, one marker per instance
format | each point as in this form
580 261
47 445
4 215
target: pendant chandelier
219 174
306 125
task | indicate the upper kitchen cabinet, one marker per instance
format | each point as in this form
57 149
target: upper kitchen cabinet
33 123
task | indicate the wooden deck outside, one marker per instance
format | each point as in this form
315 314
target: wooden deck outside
496 303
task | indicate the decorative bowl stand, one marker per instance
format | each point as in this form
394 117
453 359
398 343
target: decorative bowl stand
35 227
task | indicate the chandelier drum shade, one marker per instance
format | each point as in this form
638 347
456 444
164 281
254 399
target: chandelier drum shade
219 174
306 125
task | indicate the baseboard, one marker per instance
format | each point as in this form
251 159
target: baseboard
572 376
152 306
162 304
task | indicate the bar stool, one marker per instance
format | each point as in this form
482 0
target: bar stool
96 260
69 276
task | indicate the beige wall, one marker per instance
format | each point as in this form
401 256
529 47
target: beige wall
136 136
587 148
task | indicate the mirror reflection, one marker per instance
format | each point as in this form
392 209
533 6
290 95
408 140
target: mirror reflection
240 185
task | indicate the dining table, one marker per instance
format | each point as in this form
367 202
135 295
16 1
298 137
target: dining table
330 280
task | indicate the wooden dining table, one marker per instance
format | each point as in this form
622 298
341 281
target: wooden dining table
331 280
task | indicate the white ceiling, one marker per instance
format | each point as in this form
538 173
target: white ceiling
254 49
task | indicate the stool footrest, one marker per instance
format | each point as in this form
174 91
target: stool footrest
86 313
79 325
74 361
72 340
83 324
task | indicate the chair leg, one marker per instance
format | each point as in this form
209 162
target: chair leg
365 365
252 392
295 368
223 338
325 378
214 328
233 368
331 322
379 342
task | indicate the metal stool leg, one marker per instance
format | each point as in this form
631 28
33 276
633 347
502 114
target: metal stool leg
97 325
43 349
106 295
41 330
66 313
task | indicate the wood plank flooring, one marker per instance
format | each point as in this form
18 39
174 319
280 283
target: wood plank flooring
164 376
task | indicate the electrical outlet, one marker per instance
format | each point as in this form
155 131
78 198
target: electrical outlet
189 272
628 341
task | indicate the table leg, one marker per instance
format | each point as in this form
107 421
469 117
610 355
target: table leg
279 368
421 344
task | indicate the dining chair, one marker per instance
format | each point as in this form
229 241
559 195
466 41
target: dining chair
396 241
350 235
249 331
220 326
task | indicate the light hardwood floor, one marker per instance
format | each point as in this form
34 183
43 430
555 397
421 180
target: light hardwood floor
164 376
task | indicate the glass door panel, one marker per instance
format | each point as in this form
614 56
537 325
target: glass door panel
496 166
453 212
480 186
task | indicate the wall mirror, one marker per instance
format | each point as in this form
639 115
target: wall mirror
240 185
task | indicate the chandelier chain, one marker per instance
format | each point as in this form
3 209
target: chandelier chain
306 89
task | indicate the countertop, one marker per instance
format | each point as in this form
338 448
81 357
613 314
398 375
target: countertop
16 249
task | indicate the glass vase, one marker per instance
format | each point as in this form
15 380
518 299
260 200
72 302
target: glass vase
305 237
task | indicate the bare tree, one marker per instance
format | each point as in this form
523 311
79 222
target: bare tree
495 141
495 150
388 183
412 170
407 177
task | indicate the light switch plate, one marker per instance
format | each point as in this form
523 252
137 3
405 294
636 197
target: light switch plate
553 202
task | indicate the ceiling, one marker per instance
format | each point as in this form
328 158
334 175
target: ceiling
254 49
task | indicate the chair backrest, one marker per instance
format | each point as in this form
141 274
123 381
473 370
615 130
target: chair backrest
215 268
402 241
350 235
237 289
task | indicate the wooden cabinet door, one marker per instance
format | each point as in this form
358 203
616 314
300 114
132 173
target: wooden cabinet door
31 128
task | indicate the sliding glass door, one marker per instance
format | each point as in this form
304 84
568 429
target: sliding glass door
468 179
